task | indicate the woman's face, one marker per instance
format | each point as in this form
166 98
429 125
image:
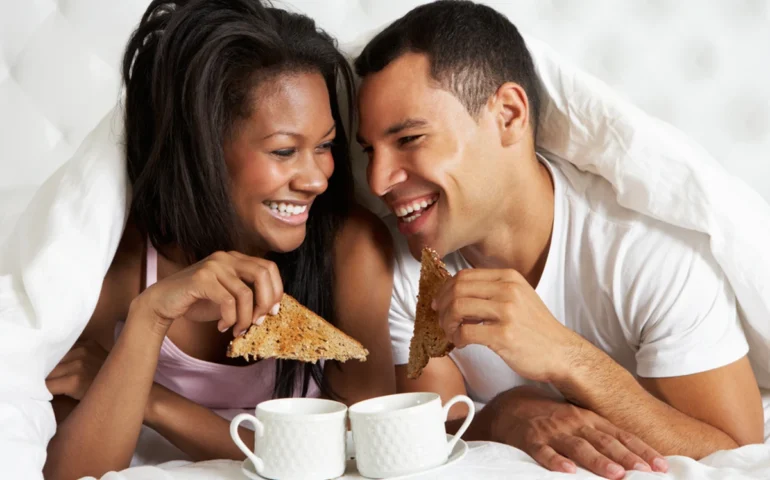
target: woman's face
280 159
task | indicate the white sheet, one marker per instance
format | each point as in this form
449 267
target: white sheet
51 270
493 461
53 264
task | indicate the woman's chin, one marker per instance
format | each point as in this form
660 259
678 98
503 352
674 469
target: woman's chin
285 243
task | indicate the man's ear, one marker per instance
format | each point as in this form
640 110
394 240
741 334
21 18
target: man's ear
511 107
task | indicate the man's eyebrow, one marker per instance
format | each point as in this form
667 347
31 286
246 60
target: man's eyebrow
406 124
397 128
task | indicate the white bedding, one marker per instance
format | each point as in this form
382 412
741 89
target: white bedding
70 230
493 461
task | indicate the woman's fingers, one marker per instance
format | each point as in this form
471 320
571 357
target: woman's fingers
268 286
208 287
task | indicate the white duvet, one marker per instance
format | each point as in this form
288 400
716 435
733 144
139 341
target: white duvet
53 262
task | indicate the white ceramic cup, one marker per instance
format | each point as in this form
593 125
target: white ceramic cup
296 438
403 433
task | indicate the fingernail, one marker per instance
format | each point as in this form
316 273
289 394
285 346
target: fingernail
642 467
259 320
241 333
660 464
567 467
614 469
223 329
276 308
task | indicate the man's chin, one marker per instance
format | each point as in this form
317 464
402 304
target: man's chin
416 244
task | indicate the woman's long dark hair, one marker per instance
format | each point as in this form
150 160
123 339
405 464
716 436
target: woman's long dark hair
190 71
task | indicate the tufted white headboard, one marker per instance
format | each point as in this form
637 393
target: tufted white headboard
702 66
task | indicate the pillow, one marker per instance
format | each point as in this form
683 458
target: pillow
51 271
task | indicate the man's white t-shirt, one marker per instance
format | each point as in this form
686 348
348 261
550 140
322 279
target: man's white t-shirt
647 293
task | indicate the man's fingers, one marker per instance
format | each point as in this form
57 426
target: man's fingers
613 449
584 454
474 310
655 460
489 275
548 458
475 334
478 289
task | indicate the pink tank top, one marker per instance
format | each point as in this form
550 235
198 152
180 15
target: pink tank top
212 385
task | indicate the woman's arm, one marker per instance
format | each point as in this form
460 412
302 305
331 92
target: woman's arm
364 280
100 433
194 429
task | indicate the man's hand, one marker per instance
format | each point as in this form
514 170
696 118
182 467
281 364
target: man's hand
500 310
561 436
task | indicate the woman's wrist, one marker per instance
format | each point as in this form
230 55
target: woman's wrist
141 314
152 410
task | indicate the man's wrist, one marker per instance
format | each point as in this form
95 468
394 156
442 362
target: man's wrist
589 371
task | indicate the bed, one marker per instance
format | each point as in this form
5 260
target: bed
691 64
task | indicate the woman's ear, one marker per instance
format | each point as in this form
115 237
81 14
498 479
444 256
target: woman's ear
512 112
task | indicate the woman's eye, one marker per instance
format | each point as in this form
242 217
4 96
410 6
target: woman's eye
285 152
325 147
406 140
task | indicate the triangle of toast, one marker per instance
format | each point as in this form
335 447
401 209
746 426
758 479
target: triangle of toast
296 333
428 339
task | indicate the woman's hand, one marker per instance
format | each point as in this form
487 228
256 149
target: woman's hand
76 371
233 288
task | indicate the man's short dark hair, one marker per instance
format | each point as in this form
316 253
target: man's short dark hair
472 49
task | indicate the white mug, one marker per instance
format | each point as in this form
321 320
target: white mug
296 438
403 433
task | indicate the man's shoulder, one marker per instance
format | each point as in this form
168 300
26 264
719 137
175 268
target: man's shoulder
601 220
624 246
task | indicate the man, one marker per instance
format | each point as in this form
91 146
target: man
557 286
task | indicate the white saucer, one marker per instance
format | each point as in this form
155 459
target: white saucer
248 469
458 452
461 448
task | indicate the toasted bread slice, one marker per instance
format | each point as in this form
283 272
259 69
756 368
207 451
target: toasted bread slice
428 339
296 333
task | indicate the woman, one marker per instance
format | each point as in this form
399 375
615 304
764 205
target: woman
242 189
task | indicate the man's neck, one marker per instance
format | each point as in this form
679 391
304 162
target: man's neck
521 234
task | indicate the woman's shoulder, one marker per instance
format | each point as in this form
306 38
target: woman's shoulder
120 286
363 237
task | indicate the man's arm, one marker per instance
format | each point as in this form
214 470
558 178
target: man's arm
556 434
688 334
693 415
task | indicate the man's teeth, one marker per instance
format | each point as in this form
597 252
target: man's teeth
286 209
414 208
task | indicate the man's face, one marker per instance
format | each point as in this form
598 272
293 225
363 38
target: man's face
438 169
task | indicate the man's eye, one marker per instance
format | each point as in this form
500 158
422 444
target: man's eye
285 152
411 138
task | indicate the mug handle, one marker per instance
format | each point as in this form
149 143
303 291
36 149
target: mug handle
259 465
466 423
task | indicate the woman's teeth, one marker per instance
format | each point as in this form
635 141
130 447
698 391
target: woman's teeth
286 209
411 212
